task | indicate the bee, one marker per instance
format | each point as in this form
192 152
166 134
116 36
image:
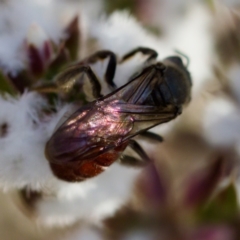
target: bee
96 135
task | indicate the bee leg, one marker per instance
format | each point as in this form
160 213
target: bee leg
139 150
46 88
151 136
131 161
111 67
68 78
65 81
144 50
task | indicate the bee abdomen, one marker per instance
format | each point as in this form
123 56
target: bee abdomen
76 171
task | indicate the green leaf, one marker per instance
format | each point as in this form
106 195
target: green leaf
224 207
5 85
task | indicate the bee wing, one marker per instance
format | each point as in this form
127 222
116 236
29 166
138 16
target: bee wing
138 89
87 133
94 129
145 117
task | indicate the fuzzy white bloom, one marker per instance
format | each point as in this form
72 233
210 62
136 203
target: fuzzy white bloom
22 146
222 122
15 22
91 200
36 36
51 16
120 28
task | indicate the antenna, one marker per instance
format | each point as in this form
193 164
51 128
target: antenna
183 55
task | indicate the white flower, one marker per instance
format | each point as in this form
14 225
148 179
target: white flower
15 22
91 200
222 122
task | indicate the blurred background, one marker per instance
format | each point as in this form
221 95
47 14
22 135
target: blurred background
191 190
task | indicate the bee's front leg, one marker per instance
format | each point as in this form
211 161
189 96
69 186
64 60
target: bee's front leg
144 50
111 67
66 80
73 74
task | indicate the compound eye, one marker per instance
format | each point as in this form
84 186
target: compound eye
175 59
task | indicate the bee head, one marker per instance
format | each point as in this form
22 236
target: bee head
178 79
